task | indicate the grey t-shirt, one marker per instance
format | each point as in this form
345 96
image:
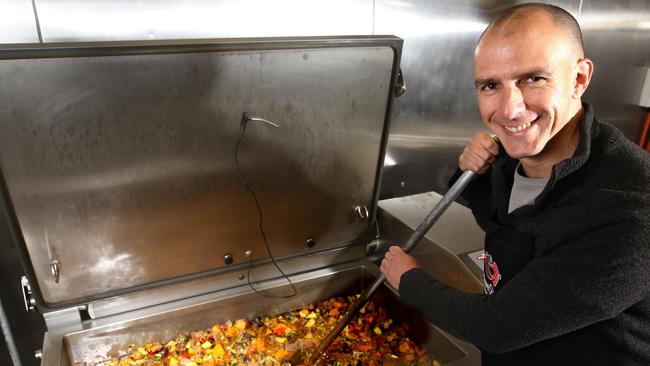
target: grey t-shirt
525 190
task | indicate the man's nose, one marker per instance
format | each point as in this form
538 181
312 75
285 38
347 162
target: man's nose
512 102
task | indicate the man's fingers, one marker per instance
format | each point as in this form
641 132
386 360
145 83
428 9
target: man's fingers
473 162
479 154
489 143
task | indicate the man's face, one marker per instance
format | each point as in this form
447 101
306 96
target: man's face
525 82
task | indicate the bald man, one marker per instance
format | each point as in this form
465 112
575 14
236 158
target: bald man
565 204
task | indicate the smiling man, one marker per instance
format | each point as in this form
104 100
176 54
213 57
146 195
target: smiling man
565 204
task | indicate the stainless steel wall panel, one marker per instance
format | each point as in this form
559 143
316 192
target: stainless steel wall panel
122 167
17 22
617 39
101 20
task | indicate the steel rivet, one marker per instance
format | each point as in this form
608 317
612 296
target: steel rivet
311 242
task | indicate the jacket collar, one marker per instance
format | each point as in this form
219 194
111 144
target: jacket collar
588 131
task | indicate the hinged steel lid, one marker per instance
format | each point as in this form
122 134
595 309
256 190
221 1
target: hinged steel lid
119 167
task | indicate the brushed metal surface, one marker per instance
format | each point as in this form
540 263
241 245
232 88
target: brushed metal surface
122 167
441 251
437 115
617 38
17 22
102 20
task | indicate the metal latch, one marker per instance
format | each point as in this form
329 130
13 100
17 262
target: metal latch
30 301
400 84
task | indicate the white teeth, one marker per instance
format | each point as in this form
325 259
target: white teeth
518 128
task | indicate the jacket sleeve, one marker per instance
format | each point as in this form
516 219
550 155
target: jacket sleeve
590 275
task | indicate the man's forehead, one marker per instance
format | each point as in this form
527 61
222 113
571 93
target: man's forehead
540 48
536 31
531 20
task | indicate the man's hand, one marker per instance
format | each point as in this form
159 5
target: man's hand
395 264
479 154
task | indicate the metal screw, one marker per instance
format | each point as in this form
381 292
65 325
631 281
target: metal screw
227 259
38 354
241 277
311 242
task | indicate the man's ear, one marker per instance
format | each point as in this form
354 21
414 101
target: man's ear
584 70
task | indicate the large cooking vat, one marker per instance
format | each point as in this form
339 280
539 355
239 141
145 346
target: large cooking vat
109 335
129 203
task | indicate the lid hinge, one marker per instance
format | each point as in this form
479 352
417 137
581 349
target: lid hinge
28 298
400 85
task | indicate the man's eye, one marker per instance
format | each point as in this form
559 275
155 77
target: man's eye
534 79
489 86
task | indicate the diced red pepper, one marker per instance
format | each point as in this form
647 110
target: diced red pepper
279 330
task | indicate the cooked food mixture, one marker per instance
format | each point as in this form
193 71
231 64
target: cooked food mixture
371 338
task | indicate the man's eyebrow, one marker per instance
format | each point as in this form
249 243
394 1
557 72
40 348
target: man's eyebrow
480 82
535 72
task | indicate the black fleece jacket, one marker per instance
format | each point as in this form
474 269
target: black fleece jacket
589 270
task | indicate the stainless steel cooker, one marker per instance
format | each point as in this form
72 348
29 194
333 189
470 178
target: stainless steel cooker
120 176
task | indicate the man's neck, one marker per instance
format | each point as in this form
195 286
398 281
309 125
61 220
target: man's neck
561 147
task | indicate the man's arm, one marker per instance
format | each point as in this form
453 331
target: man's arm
587 279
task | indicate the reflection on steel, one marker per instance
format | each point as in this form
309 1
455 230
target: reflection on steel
17 22
55 268
263 120
101 20
617 39
361 213
8 336
122 168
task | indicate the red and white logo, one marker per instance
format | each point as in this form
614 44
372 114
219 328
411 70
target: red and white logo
492 275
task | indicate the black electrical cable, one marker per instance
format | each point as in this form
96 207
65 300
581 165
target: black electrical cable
242 131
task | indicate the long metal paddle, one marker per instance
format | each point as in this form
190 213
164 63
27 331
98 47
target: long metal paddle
412 241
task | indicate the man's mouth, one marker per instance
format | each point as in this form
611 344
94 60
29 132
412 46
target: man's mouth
515 129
